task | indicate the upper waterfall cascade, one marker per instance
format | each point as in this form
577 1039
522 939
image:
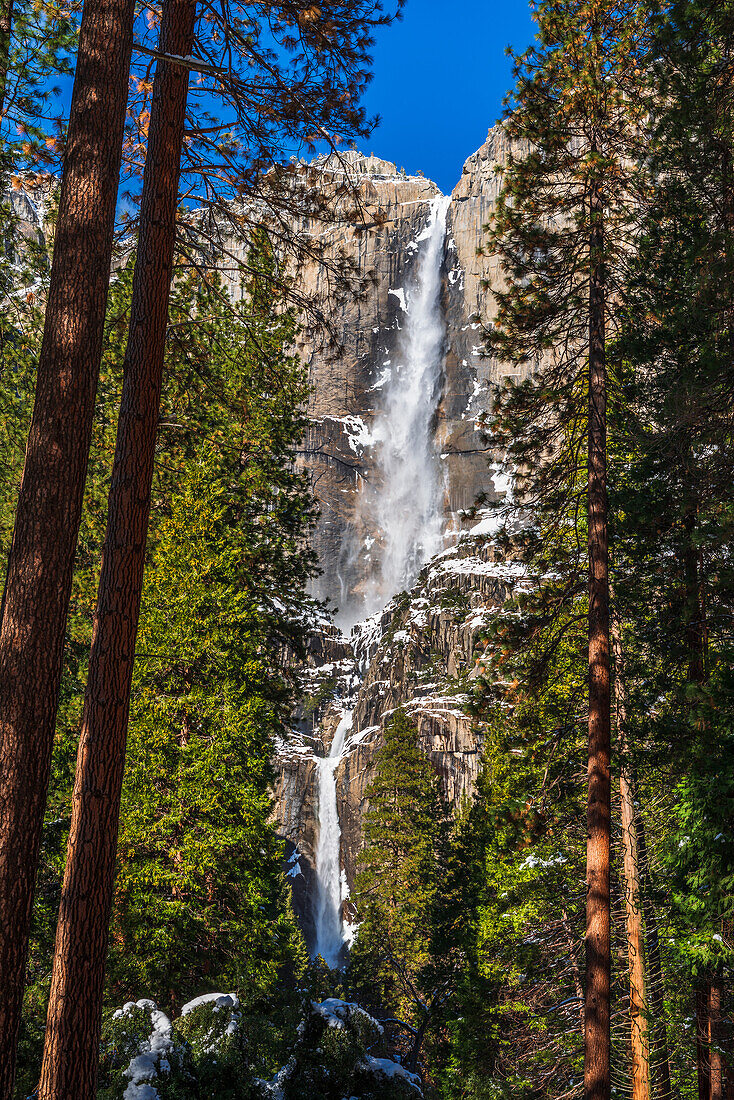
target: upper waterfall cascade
404 504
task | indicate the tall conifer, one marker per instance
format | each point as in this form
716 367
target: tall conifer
403 872
72 1036
676 491
38 582
561 230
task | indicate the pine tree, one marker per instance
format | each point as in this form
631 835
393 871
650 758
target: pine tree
225 589
398 876
530 938
414 896
675 487
229 385
39 574
561 227
632 889
206 706
72 1036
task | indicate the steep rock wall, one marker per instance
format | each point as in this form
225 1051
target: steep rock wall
346 386
419 652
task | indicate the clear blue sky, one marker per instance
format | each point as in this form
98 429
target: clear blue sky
440 77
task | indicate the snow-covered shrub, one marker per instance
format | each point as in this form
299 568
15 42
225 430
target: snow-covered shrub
139 1058
201 1055
211 1027
332 1060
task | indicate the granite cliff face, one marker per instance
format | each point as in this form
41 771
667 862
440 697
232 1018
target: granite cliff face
347 388
419 651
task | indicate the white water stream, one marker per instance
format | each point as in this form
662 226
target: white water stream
329 925
404 507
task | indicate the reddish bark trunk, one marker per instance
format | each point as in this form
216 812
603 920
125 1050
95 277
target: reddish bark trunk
72 1033
598 942
662 1088
715 1042
702 1051
38 582
635 954
639 1041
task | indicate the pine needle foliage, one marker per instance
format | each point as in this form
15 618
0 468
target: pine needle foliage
672 492
562 231
400 872
417 898
576 123
224 593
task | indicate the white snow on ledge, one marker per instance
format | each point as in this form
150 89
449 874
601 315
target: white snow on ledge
399 293
491 523
503 570
385 1068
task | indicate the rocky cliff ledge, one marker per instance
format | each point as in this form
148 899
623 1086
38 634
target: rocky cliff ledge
419 653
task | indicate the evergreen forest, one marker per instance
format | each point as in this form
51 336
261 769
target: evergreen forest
313 783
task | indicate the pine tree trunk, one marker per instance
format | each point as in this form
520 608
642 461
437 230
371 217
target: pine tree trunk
38 582
702 1052
632 894
662 1089
72 1033
598 939
716 1064
635 941
695 632
6 29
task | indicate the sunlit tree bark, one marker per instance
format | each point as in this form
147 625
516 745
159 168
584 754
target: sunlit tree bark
38 581
72 1032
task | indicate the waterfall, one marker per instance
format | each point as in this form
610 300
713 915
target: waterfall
329 927
403 508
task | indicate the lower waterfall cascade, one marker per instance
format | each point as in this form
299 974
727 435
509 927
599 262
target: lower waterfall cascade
329 924
405 509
